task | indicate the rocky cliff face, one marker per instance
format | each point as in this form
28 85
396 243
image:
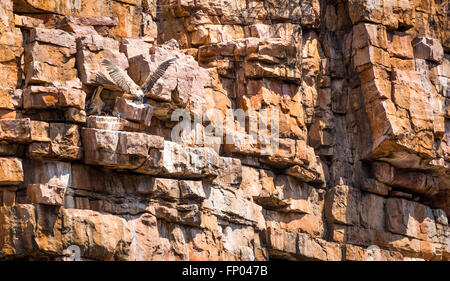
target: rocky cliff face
361 171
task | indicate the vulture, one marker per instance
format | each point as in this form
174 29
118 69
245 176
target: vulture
95 104
123 81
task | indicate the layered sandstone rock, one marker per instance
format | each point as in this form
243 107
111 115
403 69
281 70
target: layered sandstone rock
362 100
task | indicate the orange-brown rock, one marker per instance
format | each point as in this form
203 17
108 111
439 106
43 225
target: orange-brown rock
11 172
46 194
50 58
91 50
140 113
354 163
38 97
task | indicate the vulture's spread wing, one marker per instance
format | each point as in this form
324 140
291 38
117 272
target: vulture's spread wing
120 77
158 73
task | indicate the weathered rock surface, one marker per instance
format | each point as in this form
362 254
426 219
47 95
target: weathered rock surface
361 170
